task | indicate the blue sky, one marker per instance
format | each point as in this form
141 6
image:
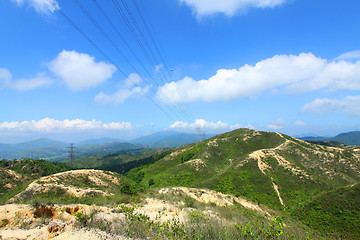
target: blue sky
276 65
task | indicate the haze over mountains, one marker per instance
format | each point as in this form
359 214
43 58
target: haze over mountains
349 138
58 151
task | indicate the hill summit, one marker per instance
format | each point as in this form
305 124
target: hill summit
269 168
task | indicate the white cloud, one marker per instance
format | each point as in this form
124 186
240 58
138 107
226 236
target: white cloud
40 6
228 7
121 95
133 79
335 76
300 123
349 105
294 73
206 126
23 84
80 71
277 124
128 91
53 125
349 55
5 75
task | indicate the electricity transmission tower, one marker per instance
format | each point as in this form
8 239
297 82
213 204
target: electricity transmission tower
71 152
198 134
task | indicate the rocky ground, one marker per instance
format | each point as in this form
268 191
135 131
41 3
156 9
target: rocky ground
78 221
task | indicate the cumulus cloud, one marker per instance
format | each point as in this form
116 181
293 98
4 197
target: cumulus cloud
79 71
125 92
206 126
23 84
277 124
40 6
349 55
294 74
349 105
53 125
228 7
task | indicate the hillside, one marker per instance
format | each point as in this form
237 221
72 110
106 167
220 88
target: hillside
269 168
53 207
64 186
120 162
335 212
17 174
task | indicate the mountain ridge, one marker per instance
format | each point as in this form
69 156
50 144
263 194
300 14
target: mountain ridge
349 138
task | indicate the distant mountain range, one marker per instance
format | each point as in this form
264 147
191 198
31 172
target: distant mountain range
349 138
59 151
170 139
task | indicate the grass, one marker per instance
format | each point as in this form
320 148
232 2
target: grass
336 212
197 225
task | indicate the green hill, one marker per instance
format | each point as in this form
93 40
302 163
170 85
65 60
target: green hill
120 162
269 168
336 212
17 174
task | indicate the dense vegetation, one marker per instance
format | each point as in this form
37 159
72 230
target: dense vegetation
17 174
120 162
336 212
222 163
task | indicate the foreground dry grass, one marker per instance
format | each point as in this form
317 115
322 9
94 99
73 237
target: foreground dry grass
168 213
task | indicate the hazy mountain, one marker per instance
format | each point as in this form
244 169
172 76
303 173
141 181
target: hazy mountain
59 151
349 138
169 139
99 141
29 145
106 148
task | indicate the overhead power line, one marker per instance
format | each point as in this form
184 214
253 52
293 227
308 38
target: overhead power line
139 36
105 55
115 46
